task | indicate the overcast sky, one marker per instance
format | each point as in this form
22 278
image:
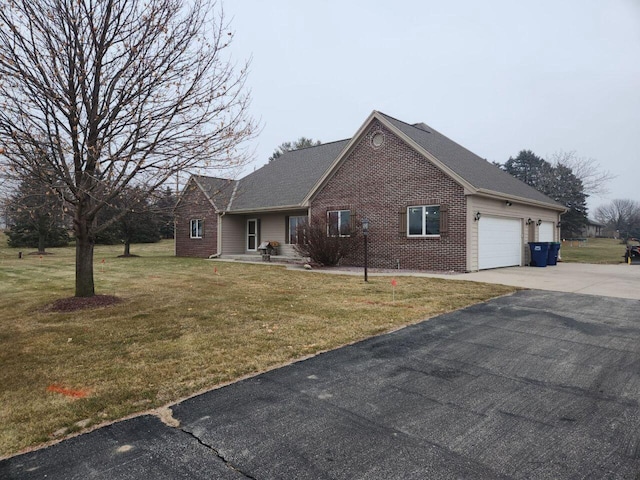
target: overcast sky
495 76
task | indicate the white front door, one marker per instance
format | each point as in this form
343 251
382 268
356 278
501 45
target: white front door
252 235
499 242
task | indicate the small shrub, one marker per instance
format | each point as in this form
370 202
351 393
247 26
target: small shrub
322 248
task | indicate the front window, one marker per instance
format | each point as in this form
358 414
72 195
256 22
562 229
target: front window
423 220
196 228
297 227
339 223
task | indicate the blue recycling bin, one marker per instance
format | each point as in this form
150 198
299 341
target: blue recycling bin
539 253
552 254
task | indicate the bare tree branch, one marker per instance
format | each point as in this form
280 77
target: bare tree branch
103 94
594 179
620 216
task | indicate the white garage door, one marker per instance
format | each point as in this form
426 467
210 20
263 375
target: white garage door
499 242
545 232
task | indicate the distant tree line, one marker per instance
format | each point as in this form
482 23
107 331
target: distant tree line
569 180
37 217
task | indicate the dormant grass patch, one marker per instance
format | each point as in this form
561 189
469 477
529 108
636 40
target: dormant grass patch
593 250
181 326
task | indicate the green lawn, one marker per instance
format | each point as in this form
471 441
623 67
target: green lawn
593 250
184 325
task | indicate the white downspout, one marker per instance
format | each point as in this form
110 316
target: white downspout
219 240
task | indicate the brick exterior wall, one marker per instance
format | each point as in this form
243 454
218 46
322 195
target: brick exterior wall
195 205
379 183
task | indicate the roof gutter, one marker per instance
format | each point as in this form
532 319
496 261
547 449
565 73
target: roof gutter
501 196
282 208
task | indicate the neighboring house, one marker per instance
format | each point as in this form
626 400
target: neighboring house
431 203
592 229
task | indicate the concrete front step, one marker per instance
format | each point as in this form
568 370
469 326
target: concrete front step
256 257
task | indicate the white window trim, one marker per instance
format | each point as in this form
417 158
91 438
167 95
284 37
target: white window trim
339 212
201 229
424 224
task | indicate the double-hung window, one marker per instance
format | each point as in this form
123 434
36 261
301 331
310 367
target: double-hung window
339 223
196 228
423 220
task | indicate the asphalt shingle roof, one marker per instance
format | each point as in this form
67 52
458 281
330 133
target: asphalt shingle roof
219 190
475 170
287 180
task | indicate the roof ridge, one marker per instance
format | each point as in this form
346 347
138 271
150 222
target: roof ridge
479 172
214 178
436 131
233 195
315 146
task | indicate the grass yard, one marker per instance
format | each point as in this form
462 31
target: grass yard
594 250
185 325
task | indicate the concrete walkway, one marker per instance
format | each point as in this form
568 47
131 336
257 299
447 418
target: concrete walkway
618 281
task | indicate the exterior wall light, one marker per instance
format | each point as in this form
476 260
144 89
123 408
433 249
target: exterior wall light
539 222
477 216
508 203
529 221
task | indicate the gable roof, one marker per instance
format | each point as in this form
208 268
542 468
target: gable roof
287 180
476 171
219 191
291 180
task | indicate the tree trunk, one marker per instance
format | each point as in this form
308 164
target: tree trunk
41 242
84 259
127 249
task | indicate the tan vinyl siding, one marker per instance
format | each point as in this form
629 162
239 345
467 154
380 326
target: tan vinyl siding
233 234
498 208
272 227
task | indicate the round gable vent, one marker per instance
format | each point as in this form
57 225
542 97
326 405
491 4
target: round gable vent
377 140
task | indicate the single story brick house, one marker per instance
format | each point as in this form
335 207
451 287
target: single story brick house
431 203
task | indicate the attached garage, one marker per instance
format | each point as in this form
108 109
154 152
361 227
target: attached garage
499 242
545 232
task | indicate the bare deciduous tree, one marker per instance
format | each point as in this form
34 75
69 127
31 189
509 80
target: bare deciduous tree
587 170
621 216
104 94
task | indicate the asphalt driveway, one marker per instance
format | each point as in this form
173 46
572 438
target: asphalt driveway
533 385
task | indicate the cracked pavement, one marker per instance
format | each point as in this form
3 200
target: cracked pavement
533 385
